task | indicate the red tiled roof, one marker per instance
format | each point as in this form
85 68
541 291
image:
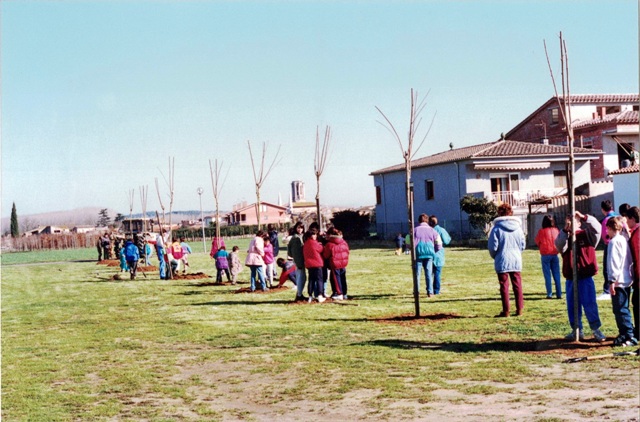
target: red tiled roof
603 98
625 117
631 169
491 149
528 149
581 99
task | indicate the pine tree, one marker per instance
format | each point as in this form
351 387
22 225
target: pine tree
15 231
103 218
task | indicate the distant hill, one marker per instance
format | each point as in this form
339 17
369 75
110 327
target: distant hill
82 217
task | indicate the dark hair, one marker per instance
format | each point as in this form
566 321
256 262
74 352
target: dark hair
314 225
260 233
222 248
505 210
433 221
634 212
298 224
280 262
548 221
424 218
235 248
622 209
606 205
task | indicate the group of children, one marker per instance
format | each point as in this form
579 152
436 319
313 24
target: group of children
621 269
324 256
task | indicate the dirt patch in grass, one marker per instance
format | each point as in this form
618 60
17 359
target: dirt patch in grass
233 391
411 319
109 262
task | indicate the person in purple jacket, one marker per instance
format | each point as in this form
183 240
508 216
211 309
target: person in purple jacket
222 264
427 243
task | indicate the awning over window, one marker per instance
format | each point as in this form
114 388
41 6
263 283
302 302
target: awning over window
513 166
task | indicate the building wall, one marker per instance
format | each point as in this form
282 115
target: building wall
626 189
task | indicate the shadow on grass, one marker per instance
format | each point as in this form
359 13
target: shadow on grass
484 347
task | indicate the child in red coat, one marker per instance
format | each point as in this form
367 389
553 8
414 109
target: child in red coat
336 251
313 262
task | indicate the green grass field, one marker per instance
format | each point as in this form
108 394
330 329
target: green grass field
79 346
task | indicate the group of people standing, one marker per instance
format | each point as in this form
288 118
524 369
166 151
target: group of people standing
620 265
172 255
430 239
324 256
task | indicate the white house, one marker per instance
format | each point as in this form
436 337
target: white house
504 171
626 186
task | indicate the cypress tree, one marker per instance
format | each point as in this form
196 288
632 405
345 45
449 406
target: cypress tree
15 231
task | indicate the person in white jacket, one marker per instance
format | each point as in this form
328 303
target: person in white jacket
619 276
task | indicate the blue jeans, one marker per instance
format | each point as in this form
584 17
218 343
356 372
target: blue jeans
162 266
620 306
301 279
436 279
586 300
339 281
316 281
426 264
257 270
551 266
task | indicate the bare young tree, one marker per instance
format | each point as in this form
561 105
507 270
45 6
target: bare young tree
408 152
143 202
319 162
261 175
217 186
130 197
170 185
564 107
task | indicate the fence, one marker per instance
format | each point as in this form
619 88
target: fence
49 241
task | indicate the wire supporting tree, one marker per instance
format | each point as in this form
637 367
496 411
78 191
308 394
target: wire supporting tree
261 175
217 186
319 162
564 107
408 152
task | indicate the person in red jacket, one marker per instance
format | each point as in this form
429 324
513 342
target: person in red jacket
545 239
336 252
633 222
312 252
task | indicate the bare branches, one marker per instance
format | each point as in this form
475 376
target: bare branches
143 202
217 188
261 175
319 163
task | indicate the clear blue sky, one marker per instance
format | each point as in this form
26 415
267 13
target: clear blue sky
97 95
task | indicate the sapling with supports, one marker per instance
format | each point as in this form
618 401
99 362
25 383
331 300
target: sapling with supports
408 152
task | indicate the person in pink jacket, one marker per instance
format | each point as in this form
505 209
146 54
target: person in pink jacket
545 239
268 260
313 262
255 261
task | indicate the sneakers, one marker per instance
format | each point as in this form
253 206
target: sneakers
321 299
572 335
310 299
624 342
300 299
598 336
604 296
337 297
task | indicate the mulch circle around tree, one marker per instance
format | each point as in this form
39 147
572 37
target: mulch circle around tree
109 262
412 319
190 276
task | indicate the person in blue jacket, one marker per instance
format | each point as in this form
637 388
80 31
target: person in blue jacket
438 260
506 243
132 253
427 243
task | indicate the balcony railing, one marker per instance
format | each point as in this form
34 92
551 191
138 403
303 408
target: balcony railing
520 199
